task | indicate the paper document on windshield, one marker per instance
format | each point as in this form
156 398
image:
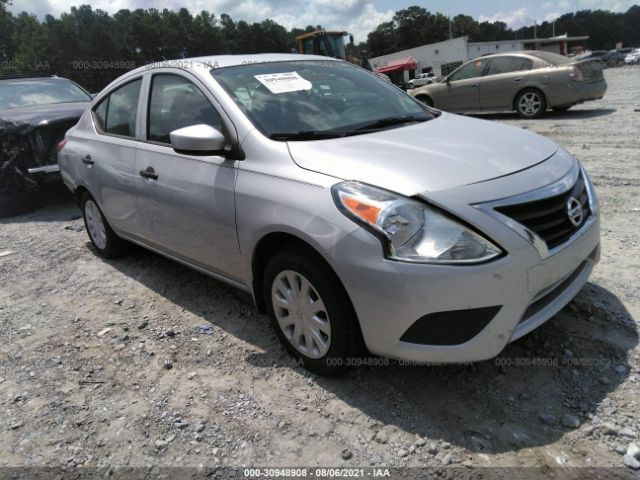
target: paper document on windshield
284 82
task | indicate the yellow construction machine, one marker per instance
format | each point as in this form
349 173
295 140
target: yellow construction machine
324 42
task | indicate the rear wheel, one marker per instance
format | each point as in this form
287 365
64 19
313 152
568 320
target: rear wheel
530 104
103 238
310 311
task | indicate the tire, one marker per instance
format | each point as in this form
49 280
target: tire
426 100
563 108
105 242
530 104
333 319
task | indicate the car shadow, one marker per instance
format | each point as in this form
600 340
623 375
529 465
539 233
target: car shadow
577 114
44 205
568 366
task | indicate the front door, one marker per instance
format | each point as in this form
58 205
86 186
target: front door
503 79
461 90
186 202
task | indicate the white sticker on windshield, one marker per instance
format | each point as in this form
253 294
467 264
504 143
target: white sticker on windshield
284 82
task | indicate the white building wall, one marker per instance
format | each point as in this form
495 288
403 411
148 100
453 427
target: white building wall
477 49
434 55
456 50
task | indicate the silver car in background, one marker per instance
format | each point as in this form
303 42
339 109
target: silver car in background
355 215
422 80
528 82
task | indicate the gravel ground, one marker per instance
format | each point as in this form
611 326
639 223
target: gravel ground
141 362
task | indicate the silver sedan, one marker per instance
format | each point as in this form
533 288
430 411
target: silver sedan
528 82
360 220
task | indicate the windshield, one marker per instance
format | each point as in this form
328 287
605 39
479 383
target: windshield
24 93
285 99
334 46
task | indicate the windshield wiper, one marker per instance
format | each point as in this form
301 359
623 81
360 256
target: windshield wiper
307 135
390 121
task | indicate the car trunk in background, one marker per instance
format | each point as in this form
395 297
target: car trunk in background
590 70
28 154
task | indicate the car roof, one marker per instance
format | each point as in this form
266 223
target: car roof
515 53
218 61
221 61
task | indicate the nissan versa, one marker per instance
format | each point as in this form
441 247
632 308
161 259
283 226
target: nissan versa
354 214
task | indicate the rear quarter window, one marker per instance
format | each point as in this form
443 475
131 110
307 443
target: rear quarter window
116 113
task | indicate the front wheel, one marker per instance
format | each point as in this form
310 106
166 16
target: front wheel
106 243
311 311
530 104
426 100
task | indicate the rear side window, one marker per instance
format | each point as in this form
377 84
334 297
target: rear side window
500 65
116 113
100 114
550 57
174 103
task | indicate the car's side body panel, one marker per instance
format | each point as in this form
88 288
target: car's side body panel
211 212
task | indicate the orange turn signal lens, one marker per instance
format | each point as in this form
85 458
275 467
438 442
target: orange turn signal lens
368 213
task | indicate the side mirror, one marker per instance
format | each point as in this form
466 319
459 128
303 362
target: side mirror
198 140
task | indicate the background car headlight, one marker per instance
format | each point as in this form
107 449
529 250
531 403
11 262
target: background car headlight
411 231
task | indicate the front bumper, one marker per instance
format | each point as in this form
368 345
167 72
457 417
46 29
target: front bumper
527 286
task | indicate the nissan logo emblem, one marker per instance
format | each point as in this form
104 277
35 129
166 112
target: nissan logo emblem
574 211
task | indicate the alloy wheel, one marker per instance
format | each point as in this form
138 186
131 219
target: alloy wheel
530 104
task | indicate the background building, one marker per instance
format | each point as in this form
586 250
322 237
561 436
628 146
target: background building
443 57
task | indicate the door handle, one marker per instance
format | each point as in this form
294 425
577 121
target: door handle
87 160
150 173
519 79
474 85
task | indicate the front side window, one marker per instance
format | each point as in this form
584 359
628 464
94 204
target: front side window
116 113
311 98
470 70
174 103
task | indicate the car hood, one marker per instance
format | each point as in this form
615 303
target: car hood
43 114
442 153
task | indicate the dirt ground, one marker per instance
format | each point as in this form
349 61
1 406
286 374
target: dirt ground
142 362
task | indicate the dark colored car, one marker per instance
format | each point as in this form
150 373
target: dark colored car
35 113
617 56
602 55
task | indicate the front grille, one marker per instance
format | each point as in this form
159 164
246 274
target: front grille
549 218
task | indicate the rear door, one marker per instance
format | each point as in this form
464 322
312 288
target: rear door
108 156
461 92
502 80
186 202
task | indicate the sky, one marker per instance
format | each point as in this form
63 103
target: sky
356 16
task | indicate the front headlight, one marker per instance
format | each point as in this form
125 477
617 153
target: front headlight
411 231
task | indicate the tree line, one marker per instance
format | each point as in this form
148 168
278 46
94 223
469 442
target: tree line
416 26
93 47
